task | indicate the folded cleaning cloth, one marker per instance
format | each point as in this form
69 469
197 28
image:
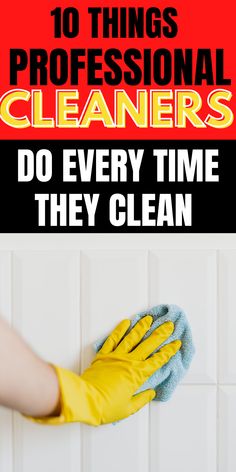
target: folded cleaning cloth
165 380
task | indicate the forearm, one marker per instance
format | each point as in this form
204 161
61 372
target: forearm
105 392
27 383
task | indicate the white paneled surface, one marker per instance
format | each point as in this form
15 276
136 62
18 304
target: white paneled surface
114 284
6 450
183 431
227 434
227 283
45 309
62 293
189 279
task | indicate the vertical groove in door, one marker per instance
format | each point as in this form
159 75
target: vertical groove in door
149 406
75 429
218 362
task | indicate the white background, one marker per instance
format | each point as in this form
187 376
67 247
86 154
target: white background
62 292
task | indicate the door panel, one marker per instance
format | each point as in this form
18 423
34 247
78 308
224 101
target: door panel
114 286
46 312
188 279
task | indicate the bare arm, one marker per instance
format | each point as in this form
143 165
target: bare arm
27 383
104 393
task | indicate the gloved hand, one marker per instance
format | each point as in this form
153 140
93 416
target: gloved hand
105 392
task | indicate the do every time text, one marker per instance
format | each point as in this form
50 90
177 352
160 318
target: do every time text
115 165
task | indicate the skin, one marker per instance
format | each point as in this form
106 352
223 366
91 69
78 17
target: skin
27 383
30 385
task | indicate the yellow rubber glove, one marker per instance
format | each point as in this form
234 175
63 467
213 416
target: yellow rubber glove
105 392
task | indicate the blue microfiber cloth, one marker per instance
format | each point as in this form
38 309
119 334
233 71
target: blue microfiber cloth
165 380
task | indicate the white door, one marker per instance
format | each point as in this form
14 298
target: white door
62 292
